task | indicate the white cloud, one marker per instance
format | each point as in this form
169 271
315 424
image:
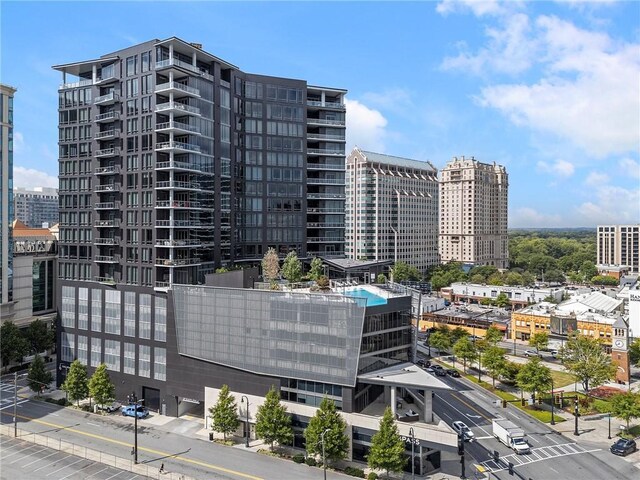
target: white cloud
365 127
394 99
609 204
30 177
629 167
527 217
559 167
18 142
478 7
596 178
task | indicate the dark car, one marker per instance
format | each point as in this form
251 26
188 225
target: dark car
424 363
453 372
623 447
441 372
437 367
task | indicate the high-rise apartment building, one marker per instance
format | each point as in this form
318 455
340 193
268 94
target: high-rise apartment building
473 213
619 245
36 207
174 162
392 209
6 199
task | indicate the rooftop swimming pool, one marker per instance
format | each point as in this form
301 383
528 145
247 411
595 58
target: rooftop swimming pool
372 299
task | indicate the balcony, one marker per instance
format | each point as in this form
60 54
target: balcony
326 210
324 151
178 224
324 225
177 88
112 133
183 166
178 243
109 187
321 195
106 241
107 152
178 262
178 204
175 64
107 206
81 83
111 223
105 280
107 259
176 185
106 78
325 166
326 137
325 121
334 105
108 116
177 127
108 99
177 107
177 147
324 240
110 170
325 181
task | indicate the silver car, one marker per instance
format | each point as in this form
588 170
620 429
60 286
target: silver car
461 428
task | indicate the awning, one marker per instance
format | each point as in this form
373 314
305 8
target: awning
404 375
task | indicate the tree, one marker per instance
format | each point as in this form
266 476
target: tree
494 361
604 280
510 372
634 352
502 300
100 386
224 414
272 422
477 279
588 269
586 359
493 335
539 341
381 278
457 333
40 338
76 384
402 271
38 376
13 346
292 267
387 448
495 279
534 377
336 442
270 265
514 278
626 406
315 270
440 340
465 350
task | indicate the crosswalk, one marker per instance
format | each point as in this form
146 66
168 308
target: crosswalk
536 455
7 394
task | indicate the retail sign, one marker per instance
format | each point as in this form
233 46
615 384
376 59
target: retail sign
190 400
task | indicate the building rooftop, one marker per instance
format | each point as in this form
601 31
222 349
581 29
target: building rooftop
398 161
593 302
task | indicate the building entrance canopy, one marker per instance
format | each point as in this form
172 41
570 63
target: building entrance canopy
405 375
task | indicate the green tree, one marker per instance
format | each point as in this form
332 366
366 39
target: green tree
13 345
272 422
604 280
514 278
539 341
495 279
534 377
76 384
634 352
100 386
270 265
292 267
387 448
477 279
510 372
494 361
224 414
315 270
493 335
502 300
465 350
586 359
38 376
40 338
402 271
626 406
458 333
336 442
588 269
440 340
381 278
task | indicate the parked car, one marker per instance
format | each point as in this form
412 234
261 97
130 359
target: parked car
623 447
441 372
435 366
110 407
430 369
531 353
424 363
130 411
461 428
453 372
555 353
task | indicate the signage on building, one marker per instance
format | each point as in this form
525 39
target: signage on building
34 246
190 400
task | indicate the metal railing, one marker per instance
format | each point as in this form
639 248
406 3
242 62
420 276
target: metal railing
81 83
112 187
315 103
107 223
106 241
324 121
109 97
323 151
326 195
177 184
107 170
107 258
177 204
176 125
177 86
174 62
108 116
177 106
107 206
325 136
177 262
324 166
107 133
178 145
326 181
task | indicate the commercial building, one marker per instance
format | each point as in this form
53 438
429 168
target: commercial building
619 245
518 296
37 207
392 209
475 319
6 200
473 213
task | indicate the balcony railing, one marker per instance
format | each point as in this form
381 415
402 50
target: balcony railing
107 223
107 152
178 223
324 121
324 225
114 132
325 239
177 204
182 185
103 117
189 147
107 206
106 241
177 106
314 103
106 258
177 126
177 86
110 187
110 170
177 262
81 83
325 181
178 243
324 166
325 210
323 151
108 98
180 166
174 62
107 280
326 195
325 136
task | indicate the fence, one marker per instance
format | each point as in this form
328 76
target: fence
150 471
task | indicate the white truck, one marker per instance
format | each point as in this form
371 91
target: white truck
511 435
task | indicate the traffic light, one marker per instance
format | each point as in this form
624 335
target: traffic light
504 403
460 445
496 456
522 401
539 400
510 468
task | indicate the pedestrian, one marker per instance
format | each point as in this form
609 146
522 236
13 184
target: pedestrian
162 468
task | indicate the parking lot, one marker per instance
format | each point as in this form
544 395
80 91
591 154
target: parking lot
25 461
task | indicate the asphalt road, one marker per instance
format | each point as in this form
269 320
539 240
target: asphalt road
554 456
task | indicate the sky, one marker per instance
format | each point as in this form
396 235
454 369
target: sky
550 90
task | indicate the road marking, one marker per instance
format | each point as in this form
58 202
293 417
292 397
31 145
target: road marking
38 459
58 460
93 424
532 438
484 438
62 468
542 453
105 468
19 451
10 405
149 450
27 456
112 476
471 407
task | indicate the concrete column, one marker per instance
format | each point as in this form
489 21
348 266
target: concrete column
94 74
171 51
194 60
323 97
428 406
393 400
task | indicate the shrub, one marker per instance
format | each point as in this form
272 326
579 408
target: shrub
372 476
311 461
298 458
354 472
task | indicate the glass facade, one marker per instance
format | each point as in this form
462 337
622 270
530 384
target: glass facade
294 335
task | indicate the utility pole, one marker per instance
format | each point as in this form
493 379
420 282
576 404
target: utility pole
15 404
575 432
324 458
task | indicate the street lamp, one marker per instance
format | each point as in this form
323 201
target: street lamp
15 404
412 449
479 366
244 397
609 437
324 460
575 412
134 400
553 400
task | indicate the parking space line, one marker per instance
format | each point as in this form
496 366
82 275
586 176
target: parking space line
66 466
27 456
99 471
113 476
18 446
59 460
20 451
78 471
38 459
10 405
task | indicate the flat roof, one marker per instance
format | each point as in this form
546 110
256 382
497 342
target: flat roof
404 375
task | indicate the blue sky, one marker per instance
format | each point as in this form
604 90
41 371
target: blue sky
551 90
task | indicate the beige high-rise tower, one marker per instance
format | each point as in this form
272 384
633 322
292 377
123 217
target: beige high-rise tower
473 213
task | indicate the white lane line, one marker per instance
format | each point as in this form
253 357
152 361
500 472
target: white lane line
11 404
112 476
484 438
93 424
105 468
27 456
532 438
39 459
19 451
66 466
77 472
45 466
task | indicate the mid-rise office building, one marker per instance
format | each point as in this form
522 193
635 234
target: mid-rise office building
473 213
392 209
619 245
6 200
37 207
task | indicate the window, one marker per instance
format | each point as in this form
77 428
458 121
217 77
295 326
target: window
160 363
144 361
131 65
112 354
129 359
68 347
129 314
96 352
144 313
112 312
83 308
96 310
83 349
145 62
68 307
160 331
